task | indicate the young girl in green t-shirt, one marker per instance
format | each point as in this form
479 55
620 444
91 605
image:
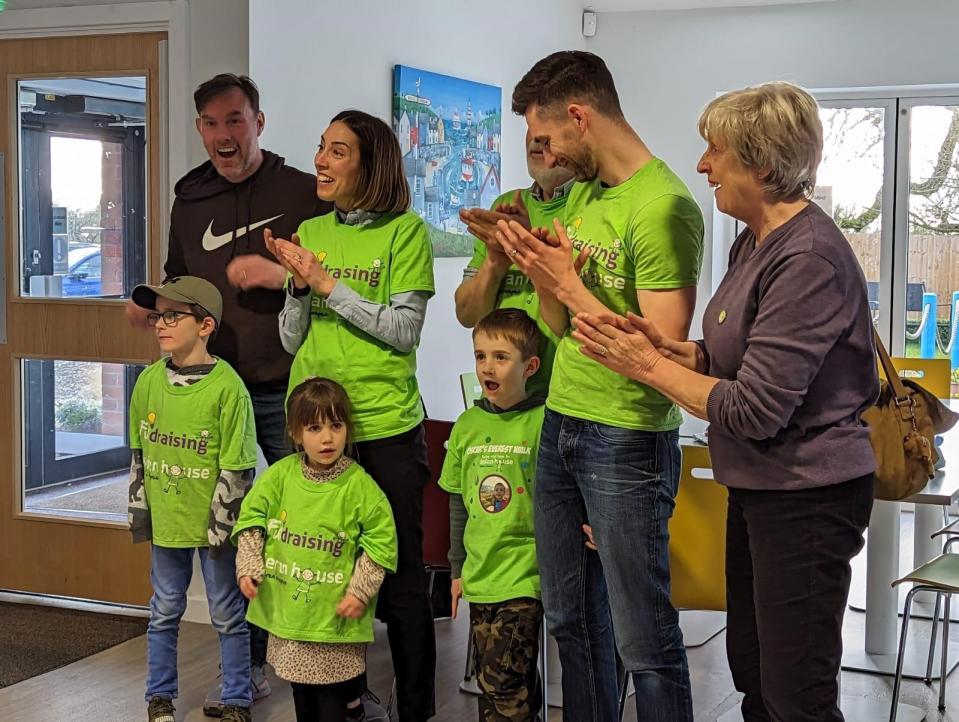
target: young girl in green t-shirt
360 279
315 539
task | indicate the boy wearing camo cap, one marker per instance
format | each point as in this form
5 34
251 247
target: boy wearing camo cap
194 453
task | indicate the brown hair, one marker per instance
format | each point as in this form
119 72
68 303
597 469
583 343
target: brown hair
318 399
383 184
223 83
568 76
514 325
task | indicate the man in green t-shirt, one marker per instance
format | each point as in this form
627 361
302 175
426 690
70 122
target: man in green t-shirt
490 279
609 454
489 470
194 453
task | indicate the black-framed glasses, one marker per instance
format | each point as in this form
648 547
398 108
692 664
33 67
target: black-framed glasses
170 318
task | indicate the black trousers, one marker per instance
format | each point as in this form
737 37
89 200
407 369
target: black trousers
787 580
326 702
398 464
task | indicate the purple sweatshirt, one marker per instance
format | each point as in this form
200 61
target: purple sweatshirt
789 333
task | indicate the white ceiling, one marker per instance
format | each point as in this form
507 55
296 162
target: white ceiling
617 6
606 6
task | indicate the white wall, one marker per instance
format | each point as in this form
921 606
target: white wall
668 65
311 62
219 43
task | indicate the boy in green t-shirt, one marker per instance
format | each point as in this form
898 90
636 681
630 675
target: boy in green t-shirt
194 453
489 470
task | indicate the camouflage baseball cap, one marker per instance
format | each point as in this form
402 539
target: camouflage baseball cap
185 289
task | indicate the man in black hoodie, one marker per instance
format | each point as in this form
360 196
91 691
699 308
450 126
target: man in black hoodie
216 233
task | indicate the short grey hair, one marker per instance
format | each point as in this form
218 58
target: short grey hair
773 127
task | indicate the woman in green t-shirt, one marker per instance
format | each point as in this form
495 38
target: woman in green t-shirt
360 278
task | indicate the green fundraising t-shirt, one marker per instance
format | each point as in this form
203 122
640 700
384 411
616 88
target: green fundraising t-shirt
645 233
377 260
187 435
314 534
491 463
516 290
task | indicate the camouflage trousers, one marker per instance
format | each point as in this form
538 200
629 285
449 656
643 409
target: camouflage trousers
505 651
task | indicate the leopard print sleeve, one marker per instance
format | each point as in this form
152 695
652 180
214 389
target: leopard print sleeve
367 578
249 554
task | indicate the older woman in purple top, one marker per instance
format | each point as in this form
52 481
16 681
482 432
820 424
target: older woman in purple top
785 369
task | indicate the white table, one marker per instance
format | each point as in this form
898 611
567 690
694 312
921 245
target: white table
877 650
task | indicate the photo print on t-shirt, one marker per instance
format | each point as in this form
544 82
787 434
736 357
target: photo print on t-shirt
495 493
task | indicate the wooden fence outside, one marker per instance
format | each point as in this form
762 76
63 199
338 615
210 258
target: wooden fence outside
933 260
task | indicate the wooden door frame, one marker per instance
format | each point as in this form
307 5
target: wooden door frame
80 557
171 17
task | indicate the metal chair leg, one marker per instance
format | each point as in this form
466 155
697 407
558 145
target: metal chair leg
624 693
468 672
927 680
544 664
945 655
902 653
389 704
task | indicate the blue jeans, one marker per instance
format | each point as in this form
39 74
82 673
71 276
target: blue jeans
170 573
269 417
622 482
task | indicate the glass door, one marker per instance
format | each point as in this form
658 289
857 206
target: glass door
929 226
79 138
854 186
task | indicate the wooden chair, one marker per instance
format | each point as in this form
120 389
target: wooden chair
697 544
470 386
697 536
933 374
930 373
436 513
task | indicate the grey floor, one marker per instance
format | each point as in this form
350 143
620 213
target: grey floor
107 687
104 495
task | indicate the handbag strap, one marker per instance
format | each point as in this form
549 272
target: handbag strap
904 401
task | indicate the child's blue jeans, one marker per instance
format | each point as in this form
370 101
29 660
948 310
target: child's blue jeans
170 573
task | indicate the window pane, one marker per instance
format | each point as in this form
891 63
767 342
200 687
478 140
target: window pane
82 186
75 446
850 182
932 283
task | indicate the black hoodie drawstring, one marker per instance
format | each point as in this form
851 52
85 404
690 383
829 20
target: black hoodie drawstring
249 209
236 216
236 220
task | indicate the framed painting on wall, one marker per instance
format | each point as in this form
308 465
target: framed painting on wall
449 131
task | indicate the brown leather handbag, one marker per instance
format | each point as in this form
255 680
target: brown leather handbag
902 424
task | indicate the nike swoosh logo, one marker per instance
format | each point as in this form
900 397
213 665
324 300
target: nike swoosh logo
212 241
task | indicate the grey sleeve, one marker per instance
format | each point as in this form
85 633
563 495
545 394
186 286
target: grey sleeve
231 487
399 324
138 511
294 320
457 553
